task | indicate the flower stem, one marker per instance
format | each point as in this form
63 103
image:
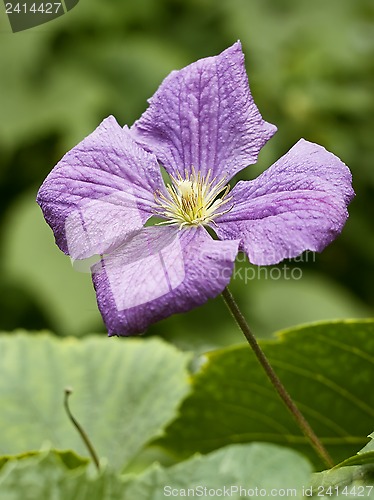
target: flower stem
279 387
80 429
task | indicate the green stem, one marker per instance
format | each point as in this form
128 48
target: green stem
80 429
279 387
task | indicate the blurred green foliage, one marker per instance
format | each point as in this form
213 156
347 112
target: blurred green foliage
310 67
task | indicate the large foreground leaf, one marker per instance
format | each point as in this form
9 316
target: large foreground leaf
270 470
125 392
45 477
259 469
329 370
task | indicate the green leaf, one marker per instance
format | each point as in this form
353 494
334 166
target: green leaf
345 482
45 476
260 467
359 459
363 457
326 367
350 478
125 392
269 469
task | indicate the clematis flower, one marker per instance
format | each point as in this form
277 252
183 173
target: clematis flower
203 127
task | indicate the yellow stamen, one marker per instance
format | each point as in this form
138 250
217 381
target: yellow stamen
192 200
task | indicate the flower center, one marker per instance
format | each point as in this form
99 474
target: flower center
193 200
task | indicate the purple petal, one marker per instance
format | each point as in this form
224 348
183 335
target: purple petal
204 116
158 272
299 203
100 191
